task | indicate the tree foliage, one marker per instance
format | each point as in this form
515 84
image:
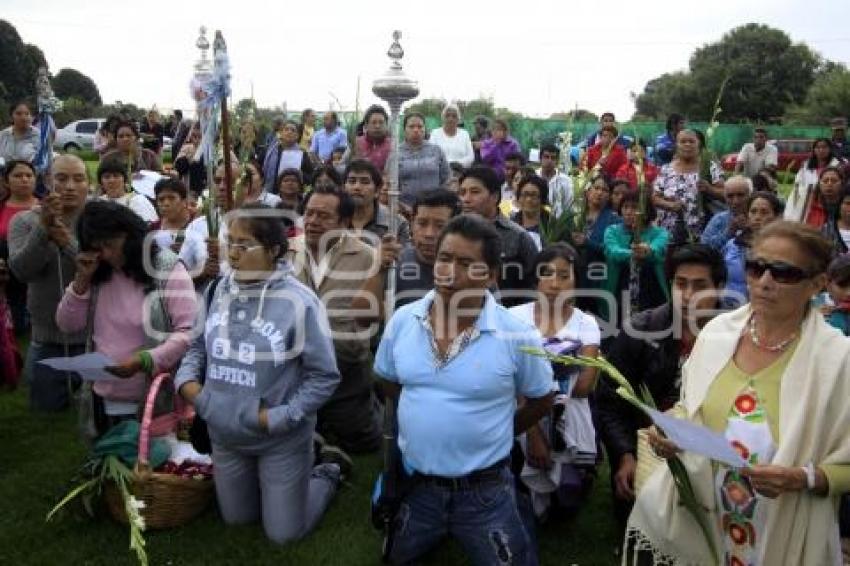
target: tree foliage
828 97
576 115
428 107
70 83
767 74
18 65
469 109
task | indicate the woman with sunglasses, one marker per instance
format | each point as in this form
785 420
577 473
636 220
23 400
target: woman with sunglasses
762 208
772 378
257 374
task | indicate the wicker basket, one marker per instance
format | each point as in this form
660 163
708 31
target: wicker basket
170 500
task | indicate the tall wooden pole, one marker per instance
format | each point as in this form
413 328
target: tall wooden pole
225 145
219 45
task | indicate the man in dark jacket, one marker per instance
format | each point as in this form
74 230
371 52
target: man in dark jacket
480 193
651 350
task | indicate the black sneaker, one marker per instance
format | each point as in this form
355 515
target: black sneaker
335 455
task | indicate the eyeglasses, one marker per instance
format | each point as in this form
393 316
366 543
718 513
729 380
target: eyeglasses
780 271
241 248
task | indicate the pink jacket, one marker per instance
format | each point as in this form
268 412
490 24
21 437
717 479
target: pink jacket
118 329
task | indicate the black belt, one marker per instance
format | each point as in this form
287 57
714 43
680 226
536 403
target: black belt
468 481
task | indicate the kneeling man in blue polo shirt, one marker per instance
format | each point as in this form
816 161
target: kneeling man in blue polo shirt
453 362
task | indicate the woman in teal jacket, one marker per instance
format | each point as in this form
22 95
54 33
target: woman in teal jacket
646 286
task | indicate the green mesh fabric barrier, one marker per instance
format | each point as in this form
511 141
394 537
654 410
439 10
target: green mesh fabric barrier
727 138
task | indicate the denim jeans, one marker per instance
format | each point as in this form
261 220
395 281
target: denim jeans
281 487
484 518
50 389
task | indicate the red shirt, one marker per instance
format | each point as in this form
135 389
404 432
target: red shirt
9 211
377 153
629 173
616 159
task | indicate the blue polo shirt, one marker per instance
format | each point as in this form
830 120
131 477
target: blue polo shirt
459 418
325 143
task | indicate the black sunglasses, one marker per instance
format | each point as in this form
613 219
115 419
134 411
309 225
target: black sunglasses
780 271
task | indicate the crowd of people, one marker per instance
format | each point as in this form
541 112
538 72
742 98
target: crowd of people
725 301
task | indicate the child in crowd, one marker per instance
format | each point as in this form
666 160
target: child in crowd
172 200
834 303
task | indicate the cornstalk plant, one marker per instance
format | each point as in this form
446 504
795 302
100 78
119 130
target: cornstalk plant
111 469
640 226
706 156
556 228
642 400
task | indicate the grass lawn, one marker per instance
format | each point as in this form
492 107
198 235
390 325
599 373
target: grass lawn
40 454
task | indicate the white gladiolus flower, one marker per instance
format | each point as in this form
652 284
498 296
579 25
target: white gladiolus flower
139 522
136 504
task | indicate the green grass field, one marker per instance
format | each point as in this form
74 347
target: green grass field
40 454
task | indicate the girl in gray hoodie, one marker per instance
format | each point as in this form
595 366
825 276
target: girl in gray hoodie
269 365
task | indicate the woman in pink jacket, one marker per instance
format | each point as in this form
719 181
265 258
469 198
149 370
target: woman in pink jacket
116 273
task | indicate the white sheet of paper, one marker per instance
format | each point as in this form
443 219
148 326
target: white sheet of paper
696 438
89 366
144 181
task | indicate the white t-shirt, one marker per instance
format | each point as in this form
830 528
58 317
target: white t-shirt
138 204
193 251
581 327
753 161
577 422
457 148
268 199
198 229
560 193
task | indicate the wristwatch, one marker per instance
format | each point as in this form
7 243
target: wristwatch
811 477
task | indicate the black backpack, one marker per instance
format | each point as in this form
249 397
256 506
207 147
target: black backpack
198 433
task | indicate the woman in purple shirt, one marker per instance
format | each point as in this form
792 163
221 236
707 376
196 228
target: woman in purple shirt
498 146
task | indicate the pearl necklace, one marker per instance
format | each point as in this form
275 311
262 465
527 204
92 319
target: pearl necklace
757 341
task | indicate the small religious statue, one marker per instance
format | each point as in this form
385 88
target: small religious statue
47 101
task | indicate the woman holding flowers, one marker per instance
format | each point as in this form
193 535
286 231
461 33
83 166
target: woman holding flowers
634 253
678 189
772 377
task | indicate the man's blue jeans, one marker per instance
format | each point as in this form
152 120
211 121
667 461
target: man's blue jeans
483 517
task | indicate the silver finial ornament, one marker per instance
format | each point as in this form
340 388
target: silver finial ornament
203 65
394 86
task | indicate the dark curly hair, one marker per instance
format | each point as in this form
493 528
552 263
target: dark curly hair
103 220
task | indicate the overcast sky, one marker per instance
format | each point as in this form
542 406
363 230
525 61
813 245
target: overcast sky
539 58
